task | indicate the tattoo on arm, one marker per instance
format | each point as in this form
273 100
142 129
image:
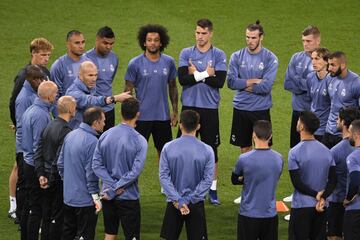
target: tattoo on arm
129 86
173 93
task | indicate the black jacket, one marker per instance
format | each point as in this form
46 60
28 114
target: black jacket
49 147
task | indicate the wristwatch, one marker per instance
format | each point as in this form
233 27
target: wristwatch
112 99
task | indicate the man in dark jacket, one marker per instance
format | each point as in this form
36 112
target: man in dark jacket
45 165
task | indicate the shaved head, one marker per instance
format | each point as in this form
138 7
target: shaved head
47 91
88 74
65 104
85 66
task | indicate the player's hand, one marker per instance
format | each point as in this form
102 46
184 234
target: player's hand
97 201
319 195
184 210
176 205
119 191
320 205
248 89
191 68
12 126
43 181
210 70
253 81
122 96
347 202
174 119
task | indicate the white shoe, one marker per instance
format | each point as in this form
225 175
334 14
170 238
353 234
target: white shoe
287 217
237 200
288 198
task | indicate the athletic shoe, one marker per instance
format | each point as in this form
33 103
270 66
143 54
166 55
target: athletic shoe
12 214
237 200
288 198
213 199
287 217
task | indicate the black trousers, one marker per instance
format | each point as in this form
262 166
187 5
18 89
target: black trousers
249 228
79 222
109 119
352 225
36 210
53 201
307 224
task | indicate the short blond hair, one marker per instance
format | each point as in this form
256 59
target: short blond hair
38 44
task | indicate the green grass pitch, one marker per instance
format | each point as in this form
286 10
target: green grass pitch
283 21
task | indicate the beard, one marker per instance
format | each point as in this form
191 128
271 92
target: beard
337 73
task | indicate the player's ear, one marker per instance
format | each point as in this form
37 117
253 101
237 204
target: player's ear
198 127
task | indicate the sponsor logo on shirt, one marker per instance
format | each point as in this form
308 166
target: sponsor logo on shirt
165 71
70 73
343 92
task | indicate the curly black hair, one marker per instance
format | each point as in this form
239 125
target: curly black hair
153 28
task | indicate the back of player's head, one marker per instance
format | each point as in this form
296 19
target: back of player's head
153 28
205 23
311 30
349 114
72 33
256 26
355 127
105 32
129 108
310 121
40 44
47 89
33 72
92 114
262 129
324 53
65 104
189 120
339 55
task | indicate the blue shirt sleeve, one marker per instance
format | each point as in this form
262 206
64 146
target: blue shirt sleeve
292 161
238 169
264 87
57 76
220 61
172 70
165 177
131 73
203 187
84 101
91 179
99 167
137 167
235 82
60 162
293 82
184 58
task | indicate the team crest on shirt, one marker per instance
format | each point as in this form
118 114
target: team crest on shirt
324 92
299 65
70 73
112 68
261 66
243 64
343 92
165 71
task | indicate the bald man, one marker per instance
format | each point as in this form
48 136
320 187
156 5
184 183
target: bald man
33 122
83 90
45 160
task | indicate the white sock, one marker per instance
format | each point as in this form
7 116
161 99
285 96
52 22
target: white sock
12 204
213 185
